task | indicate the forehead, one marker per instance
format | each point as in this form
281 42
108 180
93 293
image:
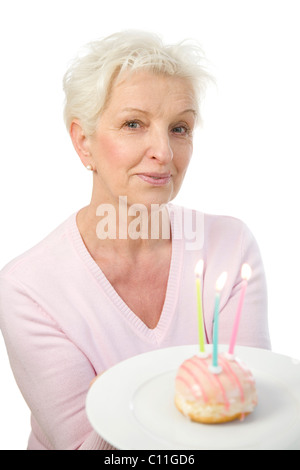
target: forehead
153 91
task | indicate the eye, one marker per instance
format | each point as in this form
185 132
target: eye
181 130
132 124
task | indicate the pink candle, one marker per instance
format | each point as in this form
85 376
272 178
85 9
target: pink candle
246 274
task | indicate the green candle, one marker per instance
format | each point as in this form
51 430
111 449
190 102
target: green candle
198 272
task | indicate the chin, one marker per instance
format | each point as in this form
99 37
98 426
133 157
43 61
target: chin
148 200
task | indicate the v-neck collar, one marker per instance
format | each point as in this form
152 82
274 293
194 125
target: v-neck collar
154 335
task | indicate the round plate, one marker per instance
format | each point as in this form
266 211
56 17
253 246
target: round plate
132 405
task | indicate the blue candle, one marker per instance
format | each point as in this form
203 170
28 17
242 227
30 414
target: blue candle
219 286
216 331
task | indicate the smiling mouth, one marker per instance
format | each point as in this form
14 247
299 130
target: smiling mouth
155 179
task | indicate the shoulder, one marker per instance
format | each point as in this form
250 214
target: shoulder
213 221
42 255
213 227
225 225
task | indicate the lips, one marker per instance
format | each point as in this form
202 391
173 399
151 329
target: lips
156 179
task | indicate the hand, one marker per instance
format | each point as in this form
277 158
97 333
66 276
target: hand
94 379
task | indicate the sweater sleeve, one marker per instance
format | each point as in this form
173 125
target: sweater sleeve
51 372
253 329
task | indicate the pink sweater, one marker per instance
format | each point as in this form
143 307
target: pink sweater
63 322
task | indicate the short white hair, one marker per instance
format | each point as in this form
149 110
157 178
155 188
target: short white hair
100 64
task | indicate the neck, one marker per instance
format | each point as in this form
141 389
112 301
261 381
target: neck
123 229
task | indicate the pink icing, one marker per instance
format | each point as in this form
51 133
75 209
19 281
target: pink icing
195 380
231 384
235 380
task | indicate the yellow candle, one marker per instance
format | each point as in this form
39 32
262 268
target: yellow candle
198 272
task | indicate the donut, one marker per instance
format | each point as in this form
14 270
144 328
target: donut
208 396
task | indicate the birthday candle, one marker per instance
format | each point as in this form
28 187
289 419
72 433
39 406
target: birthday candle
198 272
246 274
219 286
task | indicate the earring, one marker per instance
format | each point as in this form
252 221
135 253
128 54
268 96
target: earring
89 167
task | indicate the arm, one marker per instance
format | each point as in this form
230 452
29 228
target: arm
51 372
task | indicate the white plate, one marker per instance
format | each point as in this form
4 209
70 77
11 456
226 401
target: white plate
132 405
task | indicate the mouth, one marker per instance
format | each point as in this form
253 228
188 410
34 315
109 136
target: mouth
155 179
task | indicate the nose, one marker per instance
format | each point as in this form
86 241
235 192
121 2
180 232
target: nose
159 145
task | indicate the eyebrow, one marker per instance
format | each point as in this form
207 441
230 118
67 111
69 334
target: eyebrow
134 110
193 111
190 110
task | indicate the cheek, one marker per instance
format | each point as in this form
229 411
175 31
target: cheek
114 152
108 153
183 156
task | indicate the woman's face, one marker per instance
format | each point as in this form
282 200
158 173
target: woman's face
143 142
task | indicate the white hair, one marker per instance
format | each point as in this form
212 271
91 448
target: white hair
88 81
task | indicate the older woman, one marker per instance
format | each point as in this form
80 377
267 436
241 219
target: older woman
117 278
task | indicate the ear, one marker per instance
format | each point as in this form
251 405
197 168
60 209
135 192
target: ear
80 142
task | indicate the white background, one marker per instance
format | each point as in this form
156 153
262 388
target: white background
246 156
